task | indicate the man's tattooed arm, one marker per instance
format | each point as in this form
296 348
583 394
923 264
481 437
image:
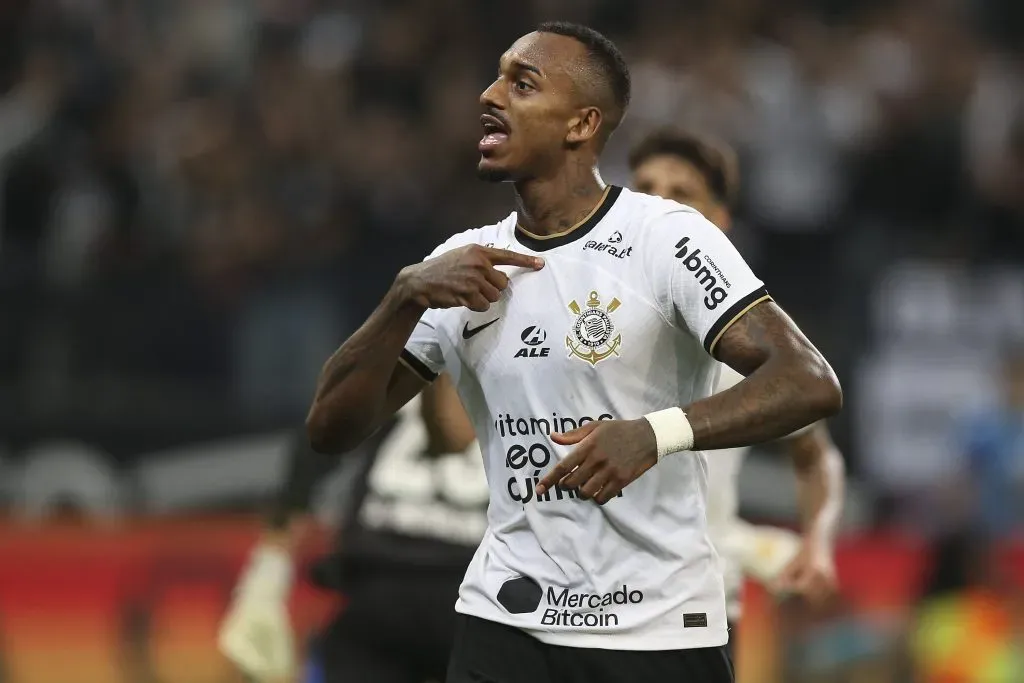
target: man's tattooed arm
788 384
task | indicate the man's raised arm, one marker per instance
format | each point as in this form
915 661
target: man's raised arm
364 382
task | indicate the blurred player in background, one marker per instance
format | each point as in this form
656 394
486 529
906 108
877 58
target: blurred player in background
701 173
417 514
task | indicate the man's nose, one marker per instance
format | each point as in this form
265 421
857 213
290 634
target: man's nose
491 97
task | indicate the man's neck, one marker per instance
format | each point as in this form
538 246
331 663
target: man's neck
553 205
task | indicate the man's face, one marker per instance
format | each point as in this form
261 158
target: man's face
529 109
668 176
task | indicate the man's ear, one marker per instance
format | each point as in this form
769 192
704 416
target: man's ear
584 126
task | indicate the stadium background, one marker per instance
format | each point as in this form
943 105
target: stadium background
200 198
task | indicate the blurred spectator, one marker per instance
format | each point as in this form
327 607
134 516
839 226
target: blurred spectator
994 447
964 629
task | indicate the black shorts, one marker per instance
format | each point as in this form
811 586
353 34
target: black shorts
487 652
394 629
734 632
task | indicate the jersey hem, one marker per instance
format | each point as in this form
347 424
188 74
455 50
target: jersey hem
637 640
632 642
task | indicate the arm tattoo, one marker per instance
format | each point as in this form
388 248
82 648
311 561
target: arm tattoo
789 384
356 380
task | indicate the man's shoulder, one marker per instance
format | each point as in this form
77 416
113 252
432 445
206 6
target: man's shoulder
653 209
656 219
493 235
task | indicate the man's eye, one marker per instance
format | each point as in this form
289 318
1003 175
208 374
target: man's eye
523 85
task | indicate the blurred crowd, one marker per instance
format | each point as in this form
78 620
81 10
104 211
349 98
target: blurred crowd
200 198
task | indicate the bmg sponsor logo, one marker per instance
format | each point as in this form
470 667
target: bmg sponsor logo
707 274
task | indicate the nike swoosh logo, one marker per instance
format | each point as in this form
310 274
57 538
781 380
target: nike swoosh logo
470 333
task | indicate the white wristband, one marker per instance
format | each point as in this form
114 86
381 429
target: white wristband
672 431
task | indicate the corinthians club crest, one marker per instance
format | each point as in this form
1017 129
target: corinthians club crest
593 335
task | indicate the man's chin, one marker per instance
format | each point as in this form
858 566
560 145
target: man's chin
491 172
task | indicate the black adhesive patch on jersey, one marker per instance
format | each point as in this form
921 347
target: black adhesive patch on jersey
520 595
695 620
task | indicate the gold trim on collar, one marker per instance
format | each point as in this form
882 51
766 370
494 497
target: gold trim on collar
565 232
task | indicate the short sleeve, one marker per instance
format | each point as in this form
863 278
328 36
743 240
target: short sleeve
699 278
422 353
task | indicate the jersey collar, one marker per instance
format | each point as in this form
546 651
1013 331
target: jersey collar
560 239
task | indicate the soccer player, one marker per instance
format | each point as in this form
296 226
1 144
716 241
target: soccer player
582 333
417 515
702 174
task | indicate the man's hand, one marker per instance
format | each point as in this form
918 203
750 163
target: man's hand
608 456
462 277
811 574
256 635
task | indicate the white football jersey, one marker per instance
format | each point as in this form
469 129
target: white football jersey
620 322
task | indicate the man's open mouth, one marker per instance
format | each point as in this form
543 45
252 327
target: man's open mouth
495 132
